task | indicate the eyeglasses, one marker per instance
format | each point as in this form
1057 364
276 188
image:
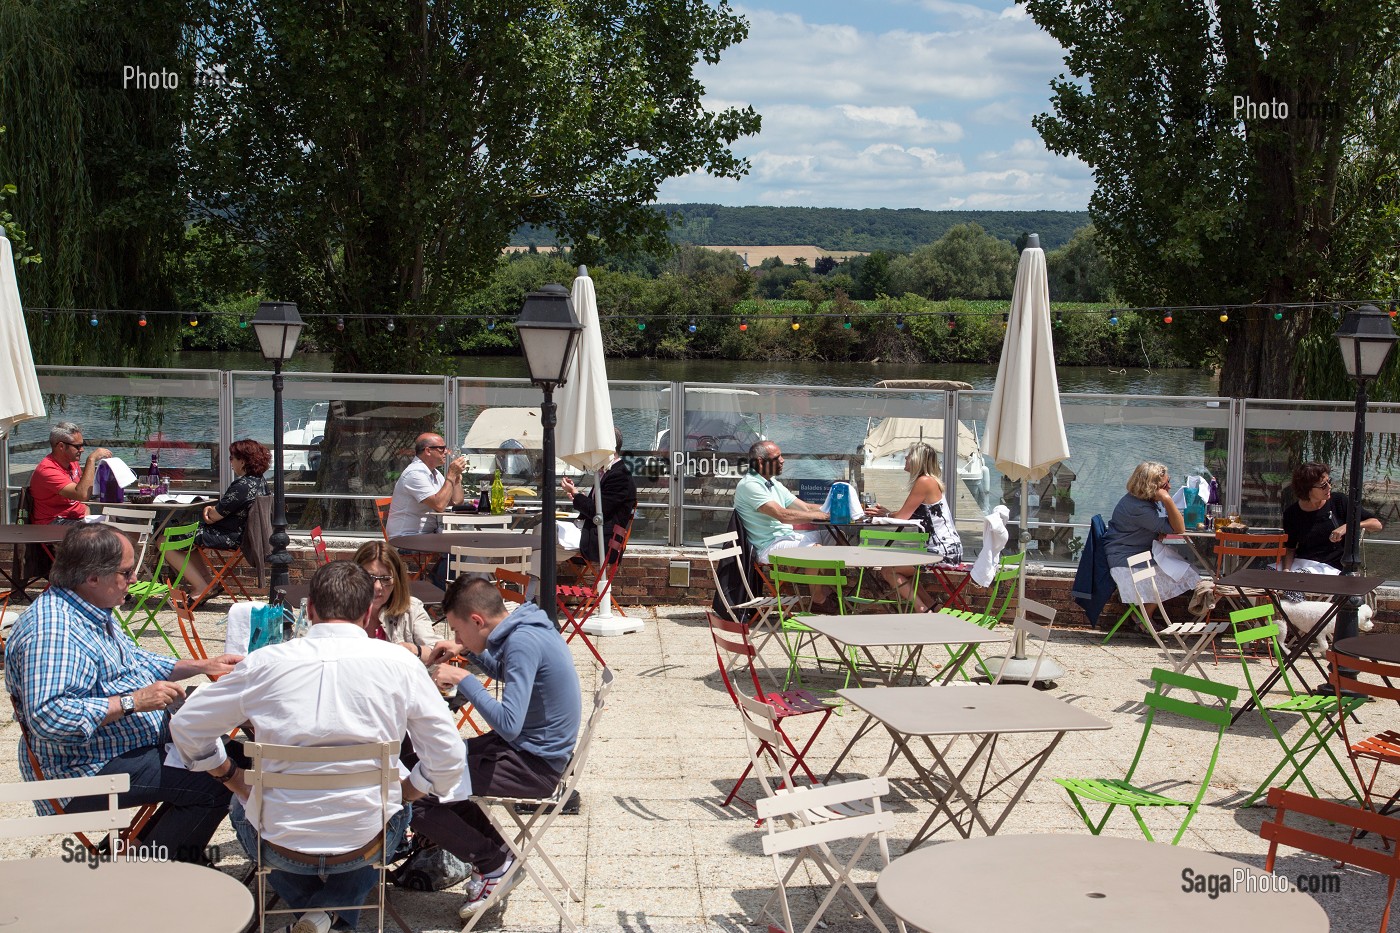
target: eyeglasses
129 573
383 581
436 447
1325 484
75 446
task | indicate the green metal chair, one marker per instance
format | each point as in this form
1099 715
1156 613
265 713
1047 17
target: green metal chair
798 574
146 592
1323 714
1123 792
998 599
916 542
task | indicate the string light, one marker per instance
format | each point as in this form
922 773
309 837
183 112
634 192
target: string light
1059 318
1113 321
93 321
142 321
899 323
691 327
847 323
952 321
242 325
340 323
795 324
390 326
743 324
1167 319
641 325
1224 317
1278 314
194 320
491 324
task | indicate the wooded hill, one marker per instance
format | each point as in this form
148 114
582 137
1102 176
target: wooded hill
836 228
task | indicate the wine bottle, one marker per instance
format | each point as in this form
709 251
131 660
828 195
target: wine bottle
498 495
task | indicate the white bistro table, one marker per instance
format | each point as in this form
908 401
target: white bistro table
912 630
987 713
1089 884
46 895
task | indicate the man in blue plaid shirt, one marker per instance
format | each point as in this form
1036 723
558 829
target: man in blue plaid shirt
92 702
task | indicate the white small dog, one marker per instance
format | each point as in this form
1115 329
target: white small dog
1305 615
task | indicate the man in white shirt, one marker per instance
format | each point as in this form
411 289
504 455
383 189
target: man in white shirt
423 490
336 686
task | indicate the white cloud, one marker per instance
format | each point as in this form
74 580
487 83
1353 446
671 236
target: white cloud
934 112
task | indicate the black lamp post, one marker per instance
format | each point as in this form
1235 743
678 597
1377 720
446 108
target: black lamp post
278 326
1366 337
549 334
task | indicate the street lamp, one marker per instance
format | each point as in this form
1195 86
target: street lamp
549 333
278 325
1365 337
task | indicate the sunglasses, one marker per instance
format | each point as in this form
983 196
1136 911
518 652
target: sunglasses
75 446
384 581
436 447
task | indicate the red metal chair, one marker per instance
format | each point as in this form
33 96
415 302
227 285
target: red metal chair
735 653
318 541
615 551
578 603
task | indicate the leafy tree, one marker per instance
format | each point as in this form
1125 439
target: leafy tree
381 153
10 227
1077 271
94 160
1200 199
966 262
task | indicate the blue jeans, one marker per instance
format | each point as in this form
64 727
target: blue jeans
306 886
192 804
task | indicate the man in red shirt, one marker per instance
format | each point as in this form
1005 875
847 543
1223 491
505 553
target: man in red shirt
59 486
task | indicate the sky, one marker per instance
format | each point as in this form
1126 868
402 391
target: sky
891 103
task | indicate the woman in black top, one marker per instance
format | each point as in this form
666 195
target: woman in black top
1316 524
222 525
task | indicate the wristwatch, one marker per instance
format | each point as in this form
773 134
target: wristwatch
128 702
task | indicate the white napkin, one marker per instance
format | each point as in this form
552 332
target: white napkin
120 471
239 627
182 498
891 520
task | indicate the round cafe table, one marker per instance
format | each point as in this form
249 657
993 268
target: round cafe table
868 557
46 895
1378 646
1088 884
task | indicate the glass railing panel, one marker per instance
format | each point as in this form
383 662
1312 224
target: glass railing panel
1280 435
346 437
499 423
1108 436
826 433
173 414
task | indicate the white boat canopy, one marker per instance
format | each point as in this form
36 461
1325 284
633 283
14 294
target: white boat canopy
894 435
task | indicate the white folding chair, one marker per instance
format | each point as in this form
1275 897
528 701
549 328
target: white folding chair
469 522
139 523
1144 573
111 820
761 613
485 561
525 838
1033 622
378 768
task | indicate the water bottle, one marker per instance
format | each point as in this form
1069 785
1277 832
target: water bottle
302 624
23 518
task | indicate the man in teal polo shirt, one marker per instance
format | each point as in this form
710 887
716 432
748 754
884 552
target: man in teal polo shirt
768 510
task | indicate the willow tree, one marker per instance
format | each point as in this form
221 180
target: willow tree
1244 151
378 155
94 160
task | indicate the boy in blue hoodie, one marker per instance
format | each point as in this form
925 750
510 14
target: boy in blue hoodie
535 724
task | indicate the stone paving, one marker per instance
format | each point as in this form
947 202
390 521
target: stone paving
653 850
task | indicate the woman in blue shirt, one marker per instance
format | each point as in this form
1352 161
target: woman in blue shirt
1146 514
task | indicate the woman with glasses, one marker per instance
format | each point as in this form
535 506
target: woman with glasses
1316 524
402 618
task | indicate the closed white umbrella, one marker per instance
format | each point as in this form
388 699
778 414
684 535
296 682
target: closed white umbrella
20 398
585 434
1025 425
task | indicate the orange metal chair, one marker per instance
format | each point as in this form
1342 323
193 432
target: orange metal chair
1383 748
1237 551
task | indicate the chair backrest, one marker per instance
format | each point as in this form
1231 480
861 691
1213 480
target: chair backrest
1388 674
1385 863
890 537
574 769
318 541
137 522
485 561
381 508
1266 630
735 653
1033 620
456 522
184 616
1158 701
108 820
731 581
807 571
176 538
1144 574
382 772
512 585
1246 549
1002 588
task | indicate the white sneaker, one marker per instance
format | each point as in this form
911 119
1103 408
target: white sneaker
480 889
315 921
